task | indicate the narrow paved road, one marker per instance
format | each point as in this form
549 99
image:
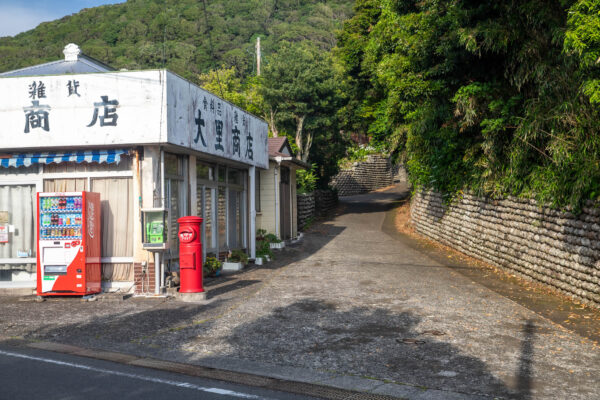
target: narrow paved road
350 306
28 374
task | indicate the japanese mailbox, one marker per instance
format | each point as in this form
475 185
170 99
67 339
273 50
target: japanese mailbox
190 254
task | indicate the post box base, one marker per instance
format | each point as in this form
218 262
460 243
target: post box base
192 297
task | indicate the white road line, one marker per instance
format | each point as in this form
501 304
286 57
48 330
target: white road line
136 376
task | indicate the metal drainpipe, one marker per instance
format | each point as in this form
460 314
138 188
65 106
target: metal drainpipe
158 260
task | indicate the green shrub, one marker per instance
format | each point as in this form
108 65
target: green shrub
272 238
211 265
263 249
306 180
238 256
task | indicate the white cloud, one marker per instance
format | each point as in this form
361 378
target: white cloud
17 19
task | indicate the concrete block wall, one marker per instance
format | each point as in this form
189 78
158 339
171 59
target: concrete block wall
374 173
553 247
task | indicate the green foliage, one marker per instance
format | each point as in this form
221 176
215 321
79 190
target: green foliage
356 154
499 97
226 83
306 180
271 238
300 89
211 265
238 256
175 33
263 249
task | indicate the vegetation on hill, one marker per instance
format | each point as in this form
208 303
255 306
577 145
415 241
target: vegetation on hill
175 33
496 96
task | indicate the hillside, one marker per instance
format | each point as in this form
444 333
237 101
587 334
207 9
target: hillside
173 33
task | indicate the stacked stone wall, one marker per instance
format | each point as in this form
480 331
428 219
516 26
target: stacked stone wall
374 173
325 202
306 209
319 203
556 248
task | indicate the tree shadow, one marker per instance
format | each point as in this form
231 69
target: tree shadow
366 342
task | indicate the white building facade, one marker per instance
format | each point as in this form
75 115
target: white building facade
142 139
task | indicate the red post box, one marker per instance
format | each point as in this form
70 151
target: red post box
190 254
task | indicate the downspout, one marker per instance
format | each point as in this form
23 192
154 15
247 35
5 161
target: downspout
252 213
158 260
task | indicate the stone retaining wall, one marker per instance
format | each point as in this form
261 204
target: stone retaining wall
318 203
325 201
549 246
374 173
306 209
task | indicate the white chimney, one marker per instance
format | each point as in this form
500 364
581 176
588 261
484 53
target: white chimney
71 52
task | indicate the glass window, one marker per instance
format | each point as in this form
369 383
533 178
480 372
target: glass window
116 195
234 176
65 185
18 204
221 174
173 165
208 217
204 171
222 214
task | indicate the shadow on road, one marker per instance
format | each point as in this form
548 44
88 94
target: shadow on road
363 341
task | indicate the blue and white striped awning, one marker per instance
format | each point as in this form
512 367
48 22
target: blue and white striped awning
27 159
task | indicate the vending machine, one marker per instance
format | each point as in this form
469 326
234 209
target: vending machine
68 251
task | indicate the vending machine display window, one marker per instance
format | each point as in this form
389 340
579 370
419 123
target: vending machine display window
69 239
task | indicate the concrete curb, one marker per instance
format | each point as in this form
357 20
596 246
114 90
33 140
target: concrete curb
326 385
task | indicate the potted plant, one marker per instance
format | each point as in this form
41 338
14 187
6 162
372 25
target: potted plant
274 241
263 252
212 266
236 260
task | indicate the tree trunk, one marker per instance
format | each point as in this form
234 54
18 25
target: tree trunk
299 124
274 130
307 145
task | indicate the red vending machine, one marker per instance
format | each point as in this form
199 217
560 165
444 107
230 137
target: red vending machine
68 251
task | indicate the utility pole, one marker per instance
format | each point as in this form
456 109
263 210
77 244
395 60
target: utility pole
258 56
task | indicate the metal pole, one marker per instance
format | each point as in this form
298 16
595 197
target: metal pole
258 56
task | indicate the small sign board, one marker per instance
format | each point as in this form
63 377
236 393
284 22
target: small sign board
3 233
3 217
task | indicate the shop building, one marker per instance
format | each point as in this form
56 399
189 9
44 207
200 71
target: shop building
276 205
143 140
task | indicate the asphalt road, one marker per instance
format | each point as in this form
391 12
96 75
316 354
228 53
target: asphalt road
35 374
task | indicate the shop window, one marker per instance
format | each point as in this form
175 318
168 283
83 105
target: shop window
175 196
65 185
116 196
221 217
204 172
173 165
221 175
236 223
208 217
18 208
234 176
71 167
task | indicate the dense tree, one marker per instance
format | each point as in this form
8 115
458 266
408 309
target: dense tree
482 95
179 34
300 89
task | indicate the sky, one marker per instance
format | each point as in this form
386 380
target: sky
18 16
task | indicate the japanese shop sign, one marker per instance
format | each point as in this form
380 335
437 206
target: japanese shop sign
120 108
